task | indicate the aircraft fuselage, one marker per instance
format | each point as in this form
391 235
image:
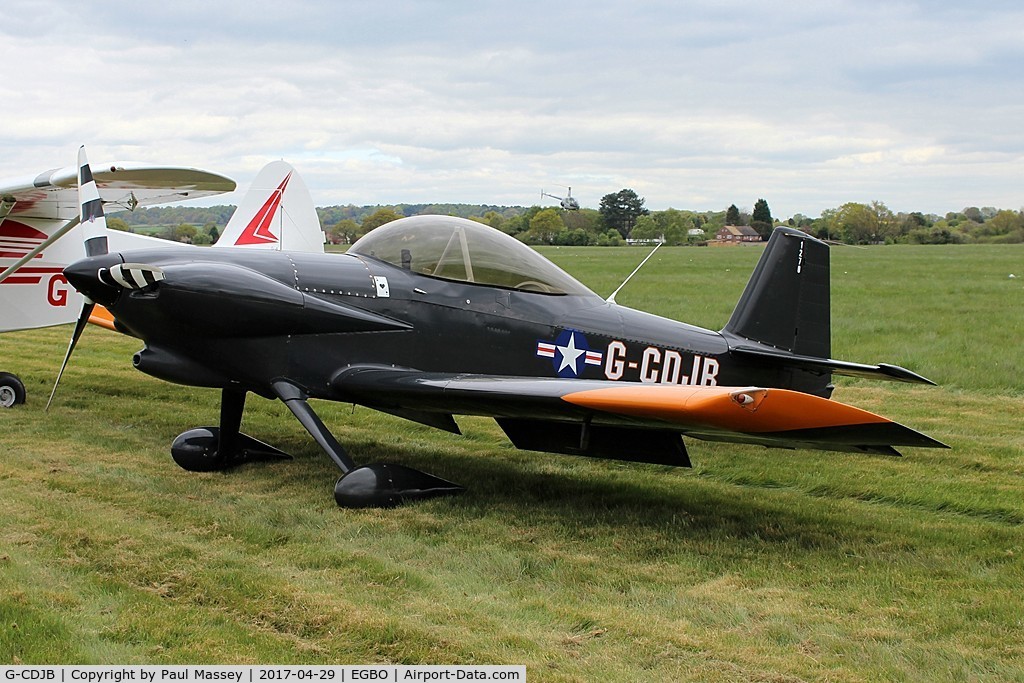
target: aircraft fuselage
448 326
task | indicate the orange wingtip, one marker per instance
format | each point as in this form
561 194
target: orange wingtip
102 317
750 410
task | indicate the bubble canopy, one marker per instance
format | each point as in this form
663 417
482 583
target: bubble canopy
458 249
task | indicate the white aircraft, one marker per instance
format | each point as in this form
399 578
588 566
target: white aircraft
37 212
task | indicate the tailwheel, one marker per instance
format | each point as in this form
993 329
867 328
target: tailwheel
12 390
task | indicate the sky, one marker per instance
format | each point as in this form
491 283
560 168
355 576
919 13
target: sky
693 105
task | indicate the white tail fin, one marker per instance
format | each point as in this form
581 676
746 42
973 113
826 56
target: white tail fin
276 213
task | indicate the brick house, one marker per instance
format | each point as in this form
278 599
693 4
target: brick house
737 234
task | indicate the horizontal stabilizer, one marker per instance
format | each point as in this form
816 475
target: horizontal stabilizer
883 371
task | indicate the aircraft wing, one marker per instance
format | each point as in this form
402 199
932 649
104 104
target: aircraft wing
628 421
36 210
53 194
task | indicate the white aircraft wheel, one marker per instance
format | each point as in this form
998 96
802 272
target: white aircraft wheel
12 391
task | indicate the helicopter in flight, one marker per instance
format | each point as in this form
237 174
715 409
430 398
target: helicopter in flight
568 203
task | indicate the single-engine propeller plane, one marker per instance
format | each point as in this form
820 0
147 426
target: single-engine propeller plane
429 317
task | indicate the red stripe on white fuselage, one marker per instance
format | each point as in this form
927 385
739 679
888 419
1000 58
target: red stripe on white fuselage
30 275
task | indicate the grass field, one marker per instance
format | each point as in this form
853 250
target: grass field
755 565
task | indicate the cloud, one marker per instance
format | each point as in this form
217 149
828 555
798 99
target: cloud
695 105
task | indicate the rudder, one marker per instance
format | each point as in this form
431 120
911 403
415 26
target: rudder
786 303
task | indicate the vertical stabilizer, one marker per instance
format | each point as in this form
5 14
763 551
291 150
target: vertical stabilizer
786 302
276 213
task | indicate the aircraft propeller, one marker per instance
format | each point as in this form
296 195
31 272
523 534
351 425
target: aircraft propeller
94 226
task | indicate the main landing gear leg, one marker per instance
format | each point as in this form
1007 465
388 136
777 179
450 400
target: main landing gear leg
375 485
208 449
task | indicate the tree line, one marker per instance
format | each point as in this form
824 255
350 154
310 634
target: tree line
621 217
873 223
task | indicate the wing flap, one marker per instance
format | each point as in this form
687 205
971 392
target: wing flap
655 446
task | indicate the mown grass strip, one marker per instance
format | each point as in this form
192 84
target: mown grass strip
757 564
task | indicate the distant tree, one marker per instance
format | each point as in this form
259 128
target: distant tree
761 211
712 221
825 226
517 225
888 224
619 210
857 223
761 220
588 220
913 221
116 223
934 235
572 238
185 232
612 238
801 221
379 218
973 213
545 226
646 228
671 225
491 218
345 231
732 216
212 231
1004 227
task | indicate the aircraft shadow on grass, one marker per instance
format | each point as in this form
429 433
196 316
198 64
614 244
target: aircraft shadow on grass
690 508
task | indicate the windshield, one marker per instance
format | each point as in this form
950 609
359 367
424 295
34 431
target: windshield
459 249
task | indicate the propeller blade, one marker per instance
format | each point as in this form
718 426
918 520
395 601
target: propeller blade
94 224
83 320
94 228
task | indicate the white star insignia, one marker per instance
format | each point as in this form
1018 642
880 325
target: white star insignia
569 354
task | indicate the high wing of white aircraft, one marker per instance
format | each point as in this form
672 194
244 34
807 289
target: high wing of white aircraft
35 211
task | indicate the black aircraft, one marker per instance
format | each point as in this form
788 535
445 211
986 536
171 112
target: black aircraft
433 316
